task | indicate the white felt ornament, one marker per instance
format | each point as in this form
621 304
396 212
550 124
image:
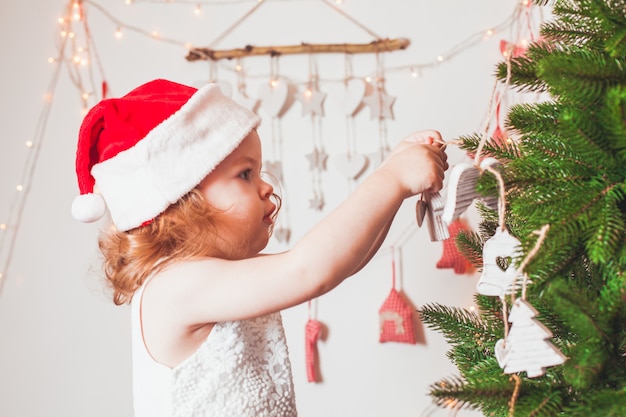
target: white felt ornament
380 104
312 101
351 166
499 271
274 97
462 189
527 346
350 98
241 98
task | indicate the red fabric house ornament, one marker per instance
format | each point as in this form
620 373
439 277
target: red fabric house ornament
396 316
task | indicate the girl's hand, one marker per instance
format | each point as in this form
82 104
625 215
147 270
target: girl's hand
418 163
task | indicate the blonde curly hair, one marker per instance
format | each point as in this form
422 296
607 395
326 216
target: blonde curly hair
187 229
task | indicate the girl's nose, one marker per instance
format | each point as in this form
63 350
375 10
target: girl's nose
266 189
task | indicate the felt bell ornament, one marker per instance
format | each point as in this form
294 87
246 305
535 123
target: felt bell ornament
499 271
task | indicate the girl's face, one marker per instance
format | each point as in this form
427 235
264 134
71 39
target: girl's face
236 188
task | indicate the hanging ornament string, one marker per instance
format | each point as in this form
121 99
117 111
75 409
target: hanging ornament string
350 18
238 22
312 100
542 233
351 164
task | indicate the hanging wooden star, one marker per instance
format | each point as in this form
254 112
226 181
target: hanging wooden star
312 101
380 104
316 202
317 159
274 169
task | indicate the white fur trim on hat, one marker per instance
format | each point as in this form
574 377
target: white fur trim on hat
139 183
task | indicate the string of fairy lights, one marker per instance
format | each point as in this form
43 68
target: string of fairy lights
77 54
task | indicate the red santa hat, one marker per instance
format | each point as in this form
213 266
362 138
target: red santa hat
142 152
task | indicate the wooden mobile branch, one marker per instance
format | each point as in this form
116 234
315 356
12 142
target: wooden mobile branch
379 45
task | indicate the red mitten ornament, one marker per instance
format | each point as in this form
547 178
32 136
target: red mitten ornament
451 257
312 334
396 316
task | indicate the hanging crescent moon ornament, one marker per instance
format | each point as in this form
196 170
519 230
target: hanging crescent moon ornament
350 98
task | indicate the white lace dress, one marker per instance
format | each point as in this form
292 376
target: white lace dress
241 370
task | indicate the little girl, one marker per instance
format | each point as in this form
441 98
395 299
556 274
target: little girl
179 172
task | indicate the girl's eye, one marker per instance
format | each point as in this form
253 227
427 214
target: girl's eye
245 175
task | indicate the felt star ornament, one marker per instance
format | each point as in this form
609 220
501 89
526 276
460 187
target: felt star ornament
312 101
275 170
380 104
316 202
317 159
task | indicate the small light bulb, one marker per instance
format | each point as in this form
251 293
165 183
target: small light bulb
308 92
85 96
51 60
119 34
414 73
489 32
3 226
71 35
273 83
19 188
238 67
129 2
440 58
197 10
76 59
155 34
368 79
61 20
63 34
29 143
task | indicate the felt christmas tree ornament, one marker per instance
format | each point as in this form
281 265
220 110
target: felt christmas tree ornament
140 153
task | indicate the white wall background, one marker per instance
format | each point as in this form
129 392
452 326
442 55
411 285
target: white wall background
65 348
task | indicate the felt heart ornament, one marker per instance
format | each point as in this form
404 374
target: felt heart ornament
225 87
274 97
501 352
282 234
351 166
503 262
350 99
420 211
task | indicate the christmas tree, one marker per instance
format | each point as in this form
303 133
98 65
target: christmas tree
563 171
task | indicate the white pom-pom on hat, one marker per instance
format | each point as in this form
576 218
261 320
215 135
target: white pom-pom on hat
88 208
